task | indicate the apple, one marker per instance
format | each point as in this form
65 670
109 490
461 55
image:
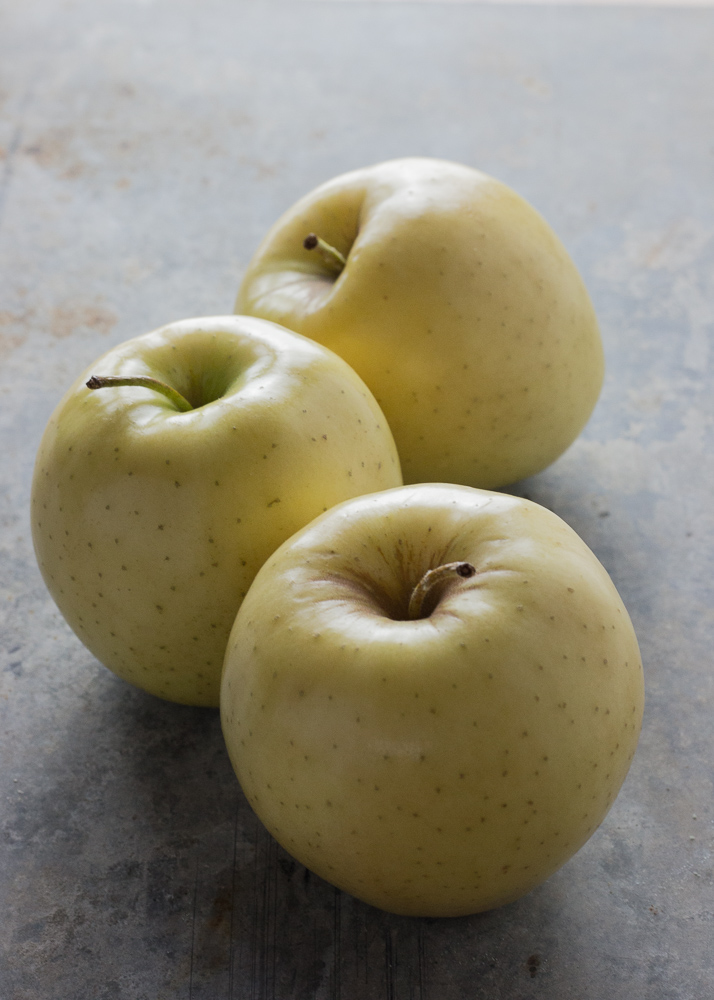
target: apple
454 301
431 697
154 504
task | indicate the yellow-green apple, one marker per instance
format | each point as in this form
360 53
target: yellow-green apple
455 302
431 697
154 504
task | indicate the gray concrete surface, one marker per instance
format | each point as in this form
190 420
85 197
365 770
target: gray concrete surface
145 146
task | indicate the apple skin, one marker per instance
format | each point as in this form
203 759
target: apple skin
149 524
447 765
458 306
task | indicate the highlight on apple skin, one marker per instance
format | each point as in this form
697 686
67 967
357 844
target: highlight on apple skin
448 759
456 303
151 516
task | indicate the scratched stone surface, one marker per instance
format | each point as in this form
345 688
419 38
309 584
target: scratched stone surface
144 148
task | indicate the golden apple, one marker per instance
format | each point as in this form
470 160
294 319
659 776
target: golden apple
454 301
431 697
152 514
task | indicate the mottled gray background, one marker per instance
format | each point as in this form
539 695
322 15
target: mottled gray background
144 148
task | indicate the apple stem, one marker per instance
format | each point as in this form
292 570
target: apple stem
145 382
432 579
330 255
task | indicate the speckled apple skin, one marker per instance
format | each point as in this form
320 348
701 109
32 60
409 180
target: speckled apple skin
442 766
150 524
459 307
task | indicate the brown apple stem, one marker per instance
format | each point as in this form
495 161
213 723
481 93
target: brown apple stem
432 579
330 255
145 382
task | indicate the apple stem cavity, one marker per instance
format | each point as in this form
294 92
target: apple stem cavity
330 255
431 581
145 382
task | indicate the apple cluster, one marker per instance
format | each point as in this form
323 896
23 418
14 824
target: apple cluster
430 693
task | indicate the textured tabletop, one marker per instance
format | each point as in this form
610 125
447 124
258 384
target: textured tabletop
144 149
